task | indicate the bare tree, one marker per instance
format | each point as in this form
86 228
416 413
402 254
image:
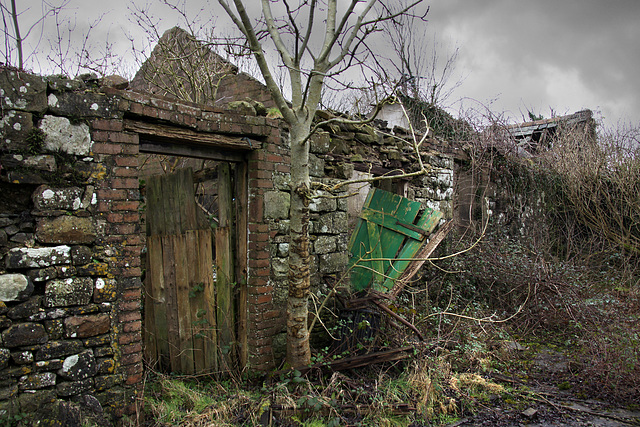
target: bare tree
311 56
422 72
12 31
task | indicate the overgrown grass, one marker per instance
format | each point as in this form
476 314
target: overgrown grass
587 314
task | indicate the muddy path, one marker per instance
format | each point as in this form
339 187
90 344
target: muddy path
544 396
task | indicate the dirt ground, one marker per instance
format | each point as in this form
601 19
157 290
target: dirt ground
543 401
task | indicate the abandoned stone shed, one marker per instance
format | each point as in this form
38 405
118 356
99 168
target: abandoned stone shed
77 162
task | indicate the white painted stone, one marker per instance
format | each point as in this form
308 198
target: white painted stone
12 286
61 135
52 100
38 257
70 362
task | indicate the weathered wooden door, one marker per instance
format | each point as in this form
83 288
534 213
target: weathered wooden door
189 314
386 238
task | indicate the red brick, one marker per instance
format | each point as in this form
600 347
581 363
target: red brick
135 239
165 115
133 379
263 299
127 262
259 263
268 166
122 137
136 368
258 228
111 194
273 314
131 294
131 217
132 326
99 136
256 246
274 158
115 217
105 124
127 161
125 228
130 316
132 272
257 173
259 237
150 111
136 108
130 359
131 348
114 238
106 148
125 183
191 111
124 339
256 282
130 305
283 168
132 149
132 250
189 120
160 103
262 272
263 289
125 205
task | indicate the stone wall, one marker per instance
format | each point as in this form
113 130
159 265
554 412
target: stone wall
69 240
70 231
337 154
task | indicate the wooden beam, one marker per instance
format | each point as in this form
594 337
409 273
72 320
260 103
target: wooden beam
179 135
200 152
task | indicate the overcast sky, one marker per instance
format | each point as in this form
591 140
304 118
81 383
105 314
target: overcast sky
514 55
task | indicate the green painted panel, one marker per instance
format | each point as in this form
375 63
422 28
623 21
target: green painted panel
392 223
386 238
428 221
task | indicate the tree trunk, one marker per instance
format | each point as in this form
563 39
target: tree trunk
298 352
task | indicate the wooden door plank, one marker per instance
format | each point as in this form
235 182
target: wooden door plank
168 262
225 268
224 283
158 296
183 305
210 330
195 301
154 212
184 200
241 214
